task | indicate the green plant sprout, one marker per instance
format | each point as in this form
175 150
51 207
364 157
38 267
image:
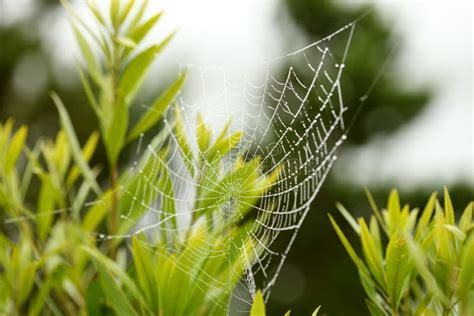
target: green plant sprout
415 263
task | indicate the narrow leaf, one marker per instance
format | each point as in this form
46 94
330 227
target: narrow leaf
87 152
157 109
348 217
74 143
93 64
181 139
135 72
15 147
258 306
142 30
448 208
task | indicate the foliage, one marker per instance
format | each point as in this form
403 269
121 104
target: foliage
415 263
258 307
62 254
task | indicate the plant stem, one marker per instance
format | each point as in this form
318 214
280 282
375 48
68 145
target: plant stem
115 70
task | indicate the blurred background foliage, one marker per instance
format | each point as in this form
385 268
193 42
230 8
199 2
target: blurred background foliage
317 269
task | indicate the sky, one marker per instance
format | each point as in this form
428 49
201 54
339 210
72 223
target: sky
436 148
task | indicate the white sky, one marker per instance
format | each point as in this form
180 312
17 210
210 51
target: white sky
435 149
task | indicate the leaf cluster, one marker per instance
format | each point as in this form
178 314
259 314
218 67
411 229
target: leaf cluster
412 262
72 247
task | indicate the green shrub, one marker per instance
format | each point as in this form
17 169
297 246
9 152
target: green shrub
62 254
415 263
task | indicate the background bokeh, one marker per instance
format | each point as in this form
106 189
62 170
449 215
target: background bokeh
415 132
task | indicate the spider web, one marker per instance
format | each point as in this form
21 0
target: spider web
294 125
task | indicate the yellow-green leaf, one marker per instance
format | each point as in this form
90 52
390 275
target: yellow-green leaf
448 208
87 152
15 147
74 143
181 139
135 72
398 268
93 64
157 109
258 305
138 33
372 254
203 134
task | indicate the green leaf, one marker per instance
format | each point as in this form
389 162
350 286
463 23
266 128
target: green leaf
42 296
15 147
114 269
167 195
74 143
374 309
77 19
420 261
422 308
89 94
27 175
138 33
87 152
125 12
448 208
393 208
203 134
116 298
95 11
398 269
93 64
135 72
139 185
97 212
350 250
94 298
465 223
371 252
425 217
455 231
375 208
81 196
138 16
316 311
46 201
61 154
114 137
126 42
181 139
157 109
348 217
115 12
375 233
466 275
5 131
444 247
411 222
143 262
258 305
224 143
